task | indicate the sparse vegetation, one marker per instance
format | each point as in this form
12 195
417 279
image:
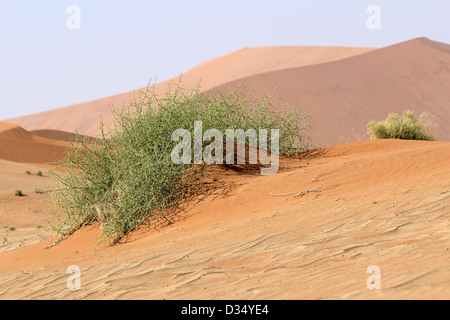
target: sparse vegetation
38 173
18 193
126 176
406 127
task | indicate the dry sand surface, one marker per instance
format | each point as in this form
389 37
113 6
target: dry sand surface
29 214
308 232
22 156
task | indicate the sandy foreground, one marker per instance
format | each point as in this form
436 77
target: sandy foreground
309 232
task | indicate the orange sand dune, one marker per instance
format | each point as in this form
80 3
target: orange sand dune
17 144
309 232
85 117
349 93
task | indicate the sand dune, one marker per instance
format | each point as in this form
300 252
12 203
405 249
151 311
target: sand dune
348 87
28 215
17 144
349 93
383 203
85 117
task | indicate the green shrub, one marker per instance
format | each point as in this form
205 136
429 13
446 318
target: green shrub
28 172
39 173
18 193
406 127
126 176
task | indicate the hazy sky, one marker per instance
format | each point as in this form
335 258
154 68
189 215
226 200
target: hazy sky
52 55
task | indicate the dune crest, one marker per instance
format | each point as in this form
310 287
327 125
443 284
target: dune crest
347 86
349 93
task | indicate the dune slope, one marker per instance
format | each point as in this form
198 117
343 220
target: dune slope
349 93
85 117
309 232
18 145
348 87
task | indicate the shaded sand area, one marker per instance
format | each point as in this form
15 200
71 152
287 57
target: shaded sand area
308 232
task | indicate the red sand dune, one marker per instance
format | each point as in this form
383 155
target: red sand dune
349 93
17 144
85 117
383 203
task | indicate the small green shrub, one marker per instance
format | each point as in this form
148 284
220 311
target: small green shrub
39 173
405 127
126 176
28 172
18 193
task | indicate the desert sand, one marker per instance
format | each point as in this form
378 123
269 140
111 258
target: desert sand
383 203
22 156
309 232
18 145
349 93
30 215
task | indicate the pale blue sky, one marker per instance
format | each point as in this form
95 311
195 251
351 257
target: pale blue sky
121 45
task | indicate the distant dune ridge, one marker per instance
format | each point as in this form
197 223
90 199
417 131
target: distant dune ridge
58 135
85 117
348 87
18 145
349 93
